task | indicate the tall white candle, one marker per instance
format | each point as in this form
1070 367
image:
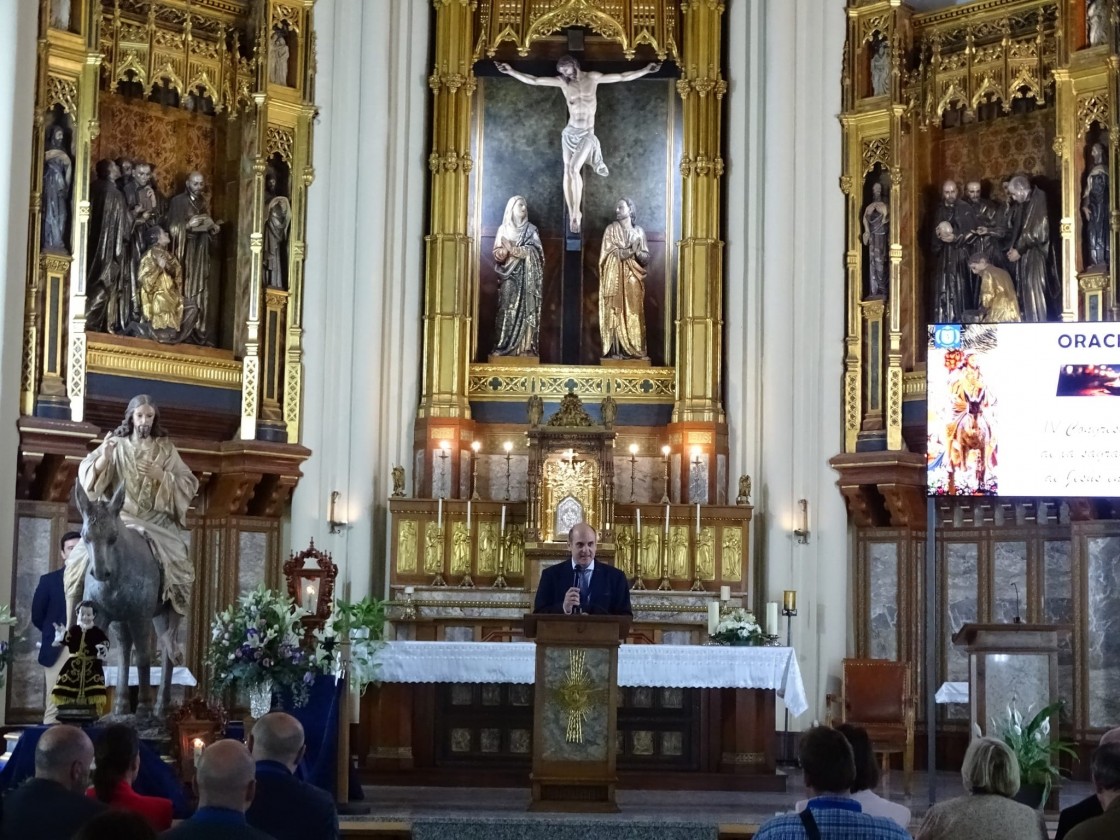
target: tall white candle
771 618
697 520
439 512
713 616
468 515
725 593
503 528
639 522
666 520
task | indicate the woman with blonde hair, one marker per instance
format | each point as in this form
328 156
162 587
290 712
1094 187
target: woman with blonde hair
991 776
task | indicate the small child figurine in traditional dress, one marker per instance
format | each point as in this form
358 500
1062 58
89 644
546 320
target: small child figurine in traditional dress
82 679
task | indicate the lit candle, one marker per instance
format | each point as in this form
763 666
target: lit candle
503 529
408 590
639 523
771 618
713 616
697 520
468 515
789 599
439 513
198 745
725 593
309 598
666 521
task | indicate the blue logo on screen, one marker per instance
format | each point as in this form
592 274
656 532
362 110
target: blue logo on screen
947 337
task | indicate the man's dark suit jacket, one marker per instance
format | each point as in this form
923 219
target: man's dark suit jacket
608 593
215 824
286 807
48 608
41 809
1086 809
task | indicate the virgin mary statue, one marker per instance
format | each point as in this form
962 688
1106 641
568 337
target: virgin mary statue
519 263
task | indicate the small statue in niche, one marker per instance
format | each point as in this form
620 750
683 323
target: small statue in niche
881 66
125 183
60 14
278 53
1094 209
1030 251
1095 13
535 408
519 264
58 173
622 285
876 231
950 278
579 145
744 497
192 234
998 303
110 226
277 224
398 482
161 286
608 408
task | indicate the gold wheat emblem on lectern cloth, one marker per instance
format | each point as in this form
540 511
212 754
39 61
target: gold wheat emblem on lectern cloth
576 695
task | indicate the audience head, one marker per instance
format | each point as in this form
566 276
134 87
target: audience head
867 768
1106 772
116 825
63 755
226 776
117 756
990 767
277 737
67 543
1112 736
826 757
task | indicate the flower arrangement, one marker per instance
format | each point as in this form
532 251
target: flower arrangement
256 645
738 626
364 623
1032 746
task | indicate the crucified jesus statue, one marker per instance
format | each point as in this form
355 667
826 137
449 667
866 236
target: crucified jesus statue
578 140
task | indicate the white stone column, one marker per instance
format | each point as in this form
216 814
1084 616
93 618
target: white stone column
18 31
785 311
364 273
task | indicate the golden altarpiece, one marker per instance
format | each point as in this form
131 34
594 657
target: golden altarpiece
511 450
162 90
971 93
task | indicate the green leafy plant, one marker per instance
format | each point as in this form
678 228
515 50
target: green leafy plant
257 642
738 626
1035 751
6 619
363 623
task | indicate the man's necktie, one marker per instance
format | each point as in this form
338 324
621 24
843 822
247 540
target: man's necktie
584 584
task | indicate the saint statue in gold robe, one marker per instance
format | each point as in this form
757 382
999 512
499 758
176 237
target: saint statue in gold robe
998 303
622 286
161 283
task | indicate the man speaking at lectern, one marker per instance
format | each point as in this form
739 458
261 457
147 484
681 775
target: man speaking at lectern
582 585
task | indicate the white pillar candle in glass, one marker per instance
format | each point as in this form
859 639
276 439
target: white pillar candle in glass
771 618
713 616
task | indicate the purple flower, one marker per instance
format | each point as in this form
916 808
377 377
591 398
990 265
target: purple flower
309 678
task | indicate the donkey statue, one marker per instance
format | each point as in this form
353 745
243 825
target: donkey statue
125 582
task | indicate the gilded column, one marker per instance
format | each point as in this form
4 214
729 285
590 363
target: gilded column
698 415
444 408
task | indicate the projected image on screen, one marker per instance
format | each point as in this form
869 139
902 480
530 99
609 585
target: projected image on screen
1007 412
963 428
1089 381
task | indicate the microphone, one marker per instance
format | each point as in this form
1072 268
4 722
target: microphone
1016 620
577 609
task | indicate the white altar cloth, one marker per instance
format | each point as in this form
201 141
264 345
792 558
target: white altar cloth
179 675
663 666
952 692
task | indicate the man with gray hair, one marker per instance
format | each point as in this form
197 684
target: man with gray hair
53 803
1090 806
225 788
1106 780
284 806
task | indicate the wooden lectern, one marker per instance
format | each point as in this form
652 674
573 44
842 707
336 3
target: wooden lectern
574 711
1010 662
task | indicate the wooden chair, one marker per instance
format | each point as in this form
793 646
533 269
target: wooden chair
875 695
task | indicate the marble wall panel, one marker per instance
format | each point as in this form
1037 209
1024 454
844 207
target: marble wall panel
961 587
882 612
649 480
1103 616
35 553
698 479
492 477
1057 606
1022 680
252 560
1009 566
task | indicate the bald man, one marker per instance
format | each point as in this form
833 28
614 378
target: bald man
1089 807
53 803
226 786
581 584
286 807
